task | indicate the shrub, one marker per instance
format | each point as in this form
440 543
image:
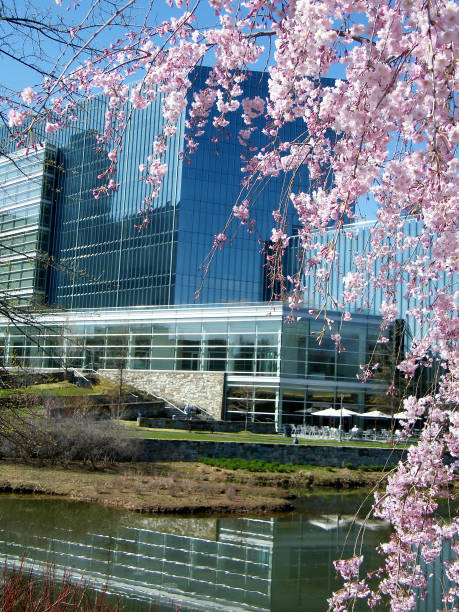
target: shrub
28 435
375 468
27 593
254 465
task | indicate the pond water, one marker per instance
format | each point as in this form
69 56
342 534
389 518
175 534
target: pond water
166 563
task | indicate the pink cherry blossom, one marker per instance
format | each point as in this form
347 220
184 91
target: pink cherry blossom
220 240
242 212
28 95
16 118
51 127
279 236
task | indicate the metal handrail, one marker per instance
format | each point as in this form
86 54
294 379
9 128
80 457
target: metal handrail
203 410
79 374
166 401
208 414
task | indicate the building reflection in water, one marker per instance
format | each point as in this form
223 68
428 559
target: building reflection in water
281 564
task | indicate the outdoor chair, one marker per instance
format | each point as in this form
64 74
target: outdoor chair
302 431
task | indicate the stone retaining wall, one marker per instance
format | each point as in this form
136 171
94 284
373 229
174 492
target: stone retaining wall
202 389
335 456
200 425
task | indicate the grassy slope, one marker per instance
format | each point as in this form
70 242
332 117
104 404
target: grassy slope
63 389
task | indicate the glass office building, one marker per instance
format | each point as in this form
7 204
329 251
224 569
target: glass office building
128 294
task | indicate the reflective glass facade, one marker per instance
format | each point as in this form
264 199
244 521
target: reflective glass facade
354 241
274 370
211 184
102 260
27 188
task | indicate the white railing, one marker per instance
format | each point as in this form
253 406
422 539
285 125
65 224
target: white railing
203 412
166 401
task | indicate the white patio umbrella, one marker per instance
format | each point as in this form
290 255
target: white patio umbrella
326 412
335 412
403 415
338 413
347 412
375 414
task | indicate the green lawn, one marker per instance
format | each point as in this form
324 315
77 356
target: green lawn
243 436
64 389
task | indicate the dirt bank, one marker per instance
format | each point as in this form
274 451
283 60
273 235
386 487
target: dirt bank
182 488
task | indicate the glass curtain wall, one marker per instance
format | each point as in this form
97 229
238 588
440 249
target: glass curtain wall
212 184
26 199
104 259
355 241
246 347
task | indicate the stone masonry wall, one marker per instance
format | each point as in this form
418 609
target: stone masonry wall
202 389
200 425
301 454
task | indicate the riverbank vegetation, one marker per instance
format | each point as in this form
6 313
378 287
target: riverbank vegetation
26 433
182 488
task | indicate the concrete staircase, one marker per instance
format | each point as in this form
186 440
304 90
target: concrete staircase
177 412
173 412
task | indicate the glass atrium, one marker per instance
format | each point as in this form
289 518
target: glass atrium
274 370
